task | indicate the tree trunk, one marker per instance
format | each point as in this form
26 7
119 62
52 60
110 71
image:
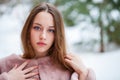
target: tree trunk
101 37
101 32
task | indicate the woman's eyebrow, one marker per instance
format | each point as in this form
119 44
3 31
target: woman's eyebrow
42 25
37 24
51 27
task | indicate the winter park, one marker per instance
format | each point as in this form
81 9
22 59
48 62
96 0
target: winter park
92 30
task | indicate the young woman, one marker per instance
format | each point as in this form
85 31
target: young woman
44 51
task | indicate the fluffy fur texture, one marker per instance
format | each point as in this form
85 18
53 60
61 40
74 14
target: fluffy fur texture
47 69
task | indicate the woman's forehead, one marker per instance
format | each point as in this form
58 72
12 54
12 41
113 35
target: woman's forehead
44 18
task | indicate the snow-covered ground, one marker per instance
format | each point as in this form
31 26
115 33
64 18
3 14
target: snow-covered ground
106 65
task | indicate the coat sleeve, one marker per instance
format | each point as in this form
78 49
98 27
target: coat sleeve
6 65
90 75
3 75
74 76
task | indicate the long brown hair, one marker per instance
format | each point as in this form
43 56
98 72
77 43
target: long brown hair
58 49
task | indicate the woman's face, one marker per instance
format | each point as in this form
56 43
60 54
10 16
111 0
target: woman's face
42 33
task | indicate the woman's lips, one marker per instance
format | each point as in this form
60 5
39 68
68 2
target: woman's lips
41 43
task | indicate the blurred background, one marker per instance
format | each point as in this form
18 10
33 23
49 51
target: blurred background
92 31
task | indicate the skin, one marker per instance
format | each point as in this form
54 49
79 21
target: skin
78 66
17 72
43 31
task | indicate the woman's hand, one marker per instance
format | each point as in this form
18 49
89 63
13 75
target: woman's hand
17 73
77 65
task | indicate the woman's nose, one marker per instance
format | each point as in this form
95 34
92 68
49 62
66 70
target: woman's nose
43 35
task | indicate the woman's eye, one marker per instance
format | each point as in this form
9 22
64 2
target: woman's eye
51 30
36 28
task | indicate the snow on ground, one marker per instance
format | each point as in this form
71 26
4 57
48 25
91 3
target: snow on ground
106 65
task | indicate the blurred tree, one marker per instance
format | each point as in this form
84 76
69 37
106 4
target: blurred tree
113 28
73 8
113 32
6 6
4 1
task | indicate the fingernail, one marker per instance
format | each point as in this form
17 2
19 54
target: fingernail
35 66
15 65
37 73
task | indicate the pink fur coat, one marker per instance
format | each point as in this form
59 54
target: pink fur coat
47 69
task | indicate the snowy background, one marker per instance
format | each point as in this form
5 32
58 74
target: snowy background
106 65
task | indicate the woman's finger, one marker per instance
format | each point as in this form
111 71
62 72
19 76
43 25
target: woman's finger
68 56
32 79
16 65
30 69
31 74
68 61
23 65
